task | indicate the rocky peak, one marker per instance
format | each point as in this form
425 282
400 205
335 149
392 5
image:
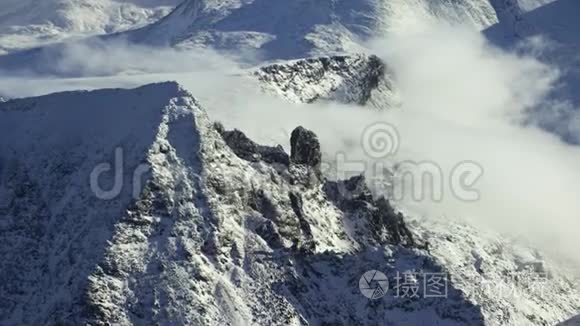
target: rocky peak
381 223
305 148
354 197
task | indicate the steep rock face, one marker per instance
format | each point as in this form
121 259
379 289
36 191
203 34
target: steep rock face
305 148
358 79
139 210
248 150
354 198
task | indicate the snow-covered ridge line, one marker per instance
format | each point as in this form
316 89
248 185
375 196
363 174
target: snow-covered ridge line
294 29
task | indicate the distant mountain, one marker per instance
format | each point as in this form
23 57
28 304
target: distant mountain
28 23
280 29
265 30
260 29
357 79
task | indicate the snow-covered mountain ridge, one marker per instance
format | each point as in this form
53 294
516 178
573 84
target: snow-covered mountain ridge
208 227
295 29
290 30
328 26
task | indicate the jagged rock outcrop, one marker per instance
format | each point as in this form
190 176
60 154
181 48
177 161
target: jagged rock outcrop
354 198
248 150
305 148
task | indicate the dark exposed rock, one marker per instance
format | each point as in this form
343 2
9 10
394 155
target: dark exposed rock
259 202
248 150
348 192
353 197
384 216
211 245
269 232
298 208
376 71
305 148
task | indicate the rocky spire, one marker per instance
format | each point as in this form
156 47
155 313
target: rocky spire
305 148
